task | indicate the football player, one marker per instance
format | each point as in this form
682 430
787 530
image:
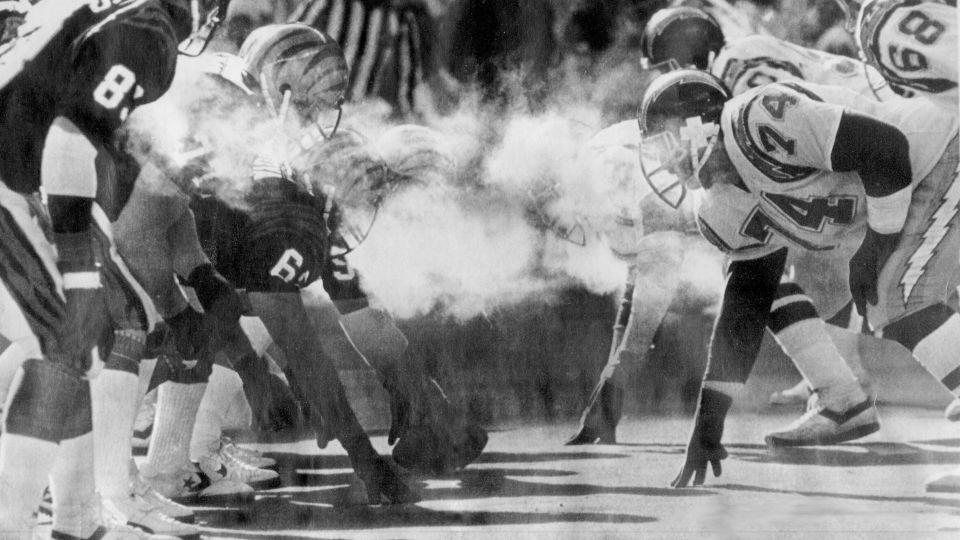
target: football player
71 76
276 245
801 167
912 43
692 37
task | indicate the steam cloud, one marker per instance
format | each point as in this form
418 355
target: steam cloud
464 249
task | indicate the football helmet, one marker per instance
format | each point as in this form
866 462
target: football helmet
419 153
679 120
195 22
346 168
300 66
689 36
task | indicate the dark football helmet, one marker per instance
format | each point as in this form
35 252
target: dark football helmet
679 121
300 66
346 168
686 35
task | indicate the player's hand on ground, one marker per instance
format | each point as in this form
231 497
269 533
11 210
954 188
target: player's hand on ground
705 447
865 267
695 464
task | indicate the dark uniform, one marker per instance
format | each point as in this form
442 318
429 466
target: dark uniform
90 63
279 243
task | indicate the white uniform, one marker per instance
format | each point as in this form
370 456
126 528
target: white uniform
758 60
913 43
780 140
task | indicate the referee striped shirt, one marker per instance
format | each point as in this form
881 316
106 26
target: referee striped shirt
387 46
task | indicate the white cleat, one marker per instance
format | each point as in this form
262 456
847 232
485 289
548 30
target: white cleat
179 512
952 412
217 467
799 393
190 485
253 458
140 514
945 483
841 414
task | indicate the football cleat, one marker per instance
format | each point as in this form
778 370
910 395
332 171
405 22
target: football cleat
952 412
216 467
837 415
139 513
945 483
145 491
189 486
799 393
253 458
381 482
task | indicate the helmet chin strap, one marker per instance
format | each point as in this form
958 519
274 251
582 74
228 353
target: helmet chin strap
699 163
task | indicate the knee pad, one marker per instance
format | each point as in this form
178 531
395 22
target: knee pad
49 403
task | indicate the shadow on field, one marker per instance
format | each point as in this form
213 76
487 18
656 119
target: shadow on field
868 454
934 501
317 490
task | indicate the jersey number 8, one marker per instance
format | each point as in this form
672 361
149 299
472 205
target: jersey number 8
115 85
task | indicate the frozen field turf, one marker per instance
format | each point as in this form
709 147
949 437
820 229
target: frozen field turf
528 485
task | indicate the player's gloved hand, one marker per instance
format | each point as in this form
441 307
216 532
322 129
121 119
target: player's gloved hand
704 447
86 314
865 267
186 333
221 304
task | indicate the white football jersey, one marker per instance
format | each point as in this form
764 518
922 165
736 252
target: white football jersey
758 60
913 43
613 158
780 138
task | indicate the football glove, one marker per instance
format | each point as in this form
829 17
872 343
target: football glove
865 267
705 447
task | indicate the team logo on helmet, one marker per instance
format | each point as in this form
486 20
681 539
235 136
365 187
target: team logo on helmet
300 67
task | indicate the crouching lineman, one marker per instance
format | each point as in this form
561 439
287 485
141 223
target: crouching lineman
797 166
70 79
691 37
277 243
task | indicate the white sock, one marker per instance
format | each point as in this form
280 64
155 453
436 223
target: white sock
239 415
25 464
177 405
76 506
223 385
116 400
939 354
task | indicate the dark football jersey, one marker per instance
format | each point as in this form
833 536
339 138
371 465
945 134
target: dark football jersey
90 62
276 241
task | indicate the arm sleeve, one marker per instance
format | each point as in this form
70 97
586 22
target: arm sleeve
750 291
880 154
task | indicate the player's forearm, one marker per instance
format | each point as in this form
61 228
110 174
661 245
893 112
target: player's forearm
880 154
744 313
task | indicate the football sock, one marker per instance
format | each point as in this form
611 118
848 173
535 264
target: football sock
115 404
803 337
177 405
76 506
223 386
25 464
